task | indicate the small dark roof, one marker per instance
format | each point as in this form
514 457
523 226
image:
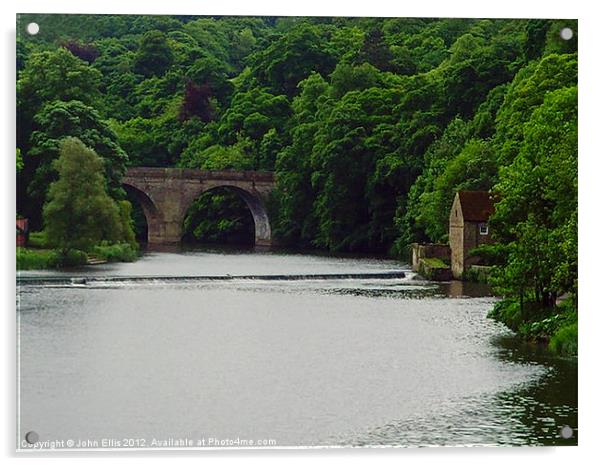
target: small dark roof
476 206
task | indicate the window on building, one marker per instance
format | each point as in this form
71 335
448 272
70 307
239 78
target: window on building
483 229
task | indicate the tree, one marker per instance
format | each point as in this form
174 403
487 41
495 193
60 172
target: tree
243 43
219 215
211 72
218 157
527 92
196 102
50 76
57 75
347 78
79 212
295 221
537 214
370 124
351 141
154 56
535 39
411 222
473 169
375 51
210 36
292 58
87 52
251 115
55 121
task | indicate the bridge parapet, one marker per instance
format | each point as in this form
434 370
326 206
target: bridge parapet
194 174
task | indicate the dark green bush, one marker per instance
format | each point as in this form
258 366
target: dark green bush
120 252
476 274
34 259
508 312
564 341
71 258
490 254
37 239
557 326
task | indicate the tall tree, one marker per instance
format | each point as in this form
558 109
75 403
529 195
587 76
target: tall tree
79 212
49 76
154 56
292 58
375 51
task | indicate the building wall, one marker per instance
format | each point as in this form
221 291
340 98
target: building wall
456 238
472 239
423 251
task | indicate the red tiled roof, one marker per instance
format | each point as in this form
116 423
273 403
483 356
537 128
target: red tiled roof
476 206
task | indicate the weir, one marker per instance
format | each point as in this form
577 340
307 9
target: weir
83 279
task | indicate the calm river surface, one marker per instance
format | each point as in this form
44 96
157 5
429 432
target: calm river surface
278 362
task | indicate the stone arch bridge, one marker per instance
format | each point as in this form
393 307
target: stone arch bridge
165 195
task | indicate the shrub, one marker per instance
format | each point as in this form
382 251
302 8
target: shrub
490 254
71 258
542 328
558 326
478 274
37 239
120 252
508 312
564 341
32 259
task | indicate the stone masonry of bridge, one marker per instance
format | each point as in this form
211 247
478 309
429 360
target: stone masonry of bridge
165 195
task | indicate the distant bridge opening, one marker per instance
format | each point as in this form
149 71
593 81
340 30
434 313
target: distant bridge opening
166 194
219 215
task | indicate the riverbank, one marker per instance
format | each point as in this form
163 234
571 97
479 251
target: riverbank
39 255
555 327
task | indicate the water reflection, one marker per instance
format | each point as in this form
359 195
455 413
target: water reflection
460 289
533 413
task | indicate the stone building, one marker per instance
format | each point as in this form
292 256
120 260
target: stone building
468 228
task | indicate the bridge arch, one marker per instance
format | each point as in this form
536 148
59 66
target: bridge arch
255 204
151 212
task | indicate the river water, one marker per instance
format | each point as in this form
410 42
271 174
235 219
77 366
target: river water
238 362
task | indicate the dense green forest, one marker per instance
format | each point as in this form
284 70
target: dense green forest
371 125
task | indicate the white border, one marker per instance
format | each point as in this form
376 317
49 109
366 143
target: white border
589 229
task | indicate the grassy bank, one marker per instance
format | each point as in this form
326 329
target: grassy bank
40 255
31 259
556 326
37 259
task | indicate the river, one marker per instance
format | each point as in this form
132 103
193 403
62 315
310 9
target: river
304 362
